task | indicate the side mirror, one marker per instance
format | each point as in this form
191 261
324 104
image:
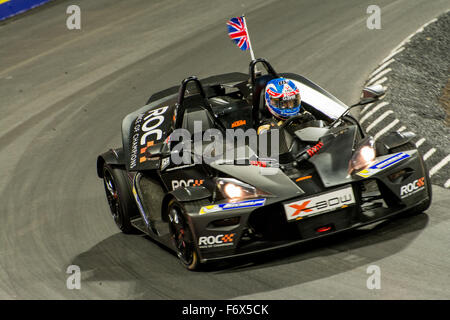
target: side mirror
371 94
374 91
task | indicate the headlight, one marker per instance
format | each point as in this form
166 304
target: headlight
235 189
364 156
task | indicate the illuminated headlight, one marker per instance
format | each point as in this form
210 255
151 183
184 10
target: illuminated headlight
235 189
364 156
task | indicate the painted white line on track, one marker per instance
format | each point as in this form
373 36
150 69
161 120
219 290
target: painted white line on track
379 76
392 54
426 25
380 68
378 120
401 44
408 38
371 112
419 142
429 153
447 184
386 129
439 165
381 81
367 107
375 79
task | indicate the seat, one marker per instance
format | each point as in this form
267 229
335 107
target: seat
197 113
259 110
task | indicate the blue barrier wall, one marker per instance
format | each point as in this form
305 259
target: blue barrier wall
9 8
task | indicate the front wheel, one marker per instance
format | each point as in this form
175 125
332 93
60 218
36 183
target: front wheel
182 237
120 199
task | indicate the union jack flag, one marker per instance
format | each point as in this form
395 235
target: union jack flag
237 31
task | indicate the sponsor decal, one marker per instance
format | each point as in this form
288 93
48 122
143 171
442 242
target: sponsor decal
141 208
165 163
381 165
303 178
146 125
263 162
258 163
320 204
186 183
219 240
411 188
232 205
144 154
238 123
135 140
152 121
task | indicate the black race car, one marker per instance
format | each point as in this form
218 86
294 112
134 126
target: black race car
326 175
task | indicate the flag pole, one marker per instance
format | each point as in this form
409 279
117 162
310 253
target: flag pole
252 55
248 37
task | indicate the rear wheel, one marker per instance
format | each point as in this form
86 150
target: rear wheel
120 198
182 236
426 204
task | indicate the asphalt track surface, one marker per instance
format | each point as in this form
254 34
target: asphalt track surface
62 97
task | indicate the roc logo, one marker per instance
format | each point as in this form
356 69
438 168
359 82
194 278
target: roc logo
411 188
186 183
216 241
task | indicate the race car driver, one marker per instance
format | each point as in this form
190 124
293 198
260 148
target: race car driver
282 99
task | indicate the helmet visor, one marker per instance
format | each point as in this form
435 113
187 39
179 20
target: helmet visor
286 102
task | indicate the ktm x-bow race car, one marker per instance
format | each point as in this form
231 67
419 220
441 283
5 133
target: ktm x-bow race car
326 176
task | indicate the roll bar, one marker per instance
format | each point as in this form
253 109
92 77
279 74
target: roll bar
205 105
266 65
182 90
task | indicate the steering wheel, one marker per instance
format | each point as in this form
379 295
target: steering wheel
290 120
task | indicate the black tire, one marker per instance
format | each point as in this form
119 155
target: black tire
181 235
120 198
426 204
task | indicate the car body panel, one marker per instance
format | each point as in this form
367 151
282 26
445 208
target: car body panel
327 199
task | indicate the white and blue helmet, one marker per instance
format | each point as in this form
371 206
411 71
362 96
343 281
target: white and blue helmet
282 98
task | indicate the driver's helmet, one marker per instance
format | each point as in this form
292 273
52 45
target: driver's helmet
282 98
